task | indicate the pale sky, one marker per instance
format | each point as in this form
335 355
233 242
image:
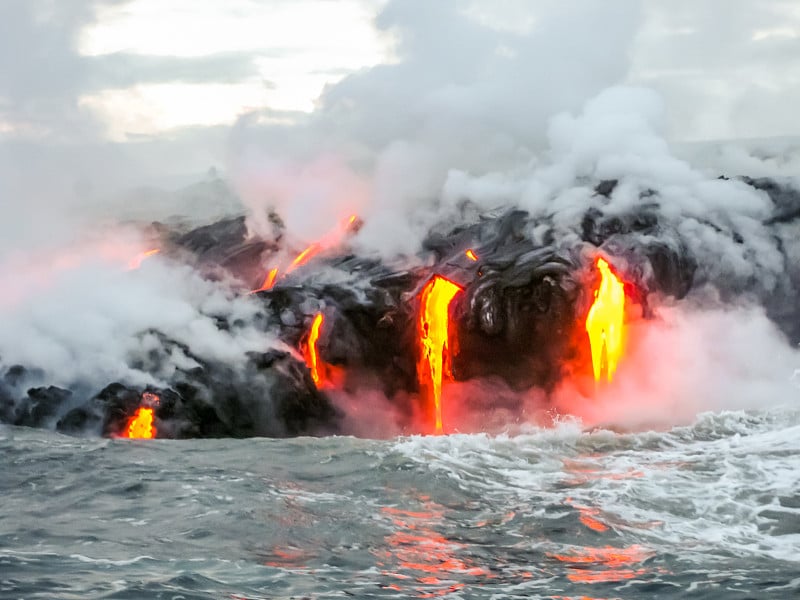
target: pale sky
293 48
145 67
105 95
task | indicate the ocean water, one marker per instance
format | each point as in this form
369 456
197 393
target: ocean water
710 510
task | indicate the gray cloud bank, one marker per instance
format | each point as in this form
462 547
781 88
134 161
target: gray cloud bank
472 89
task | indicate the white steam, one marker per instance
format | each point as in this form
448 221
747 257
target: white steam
88 317
464 94
687 362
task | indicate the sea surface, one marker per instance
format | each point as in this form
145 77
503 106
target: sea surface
709 510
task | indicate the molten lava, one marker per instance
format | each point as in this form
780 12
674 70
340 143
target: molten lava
434 331
304 256
331 239
269 281
312 356
604 323
471 255
141 425
137 260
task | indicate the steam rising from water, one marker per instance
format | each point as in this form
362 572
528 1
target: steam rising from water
83 316
690 361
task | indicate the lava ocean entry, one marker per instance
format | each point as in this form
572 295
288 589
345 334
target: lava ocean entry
507 299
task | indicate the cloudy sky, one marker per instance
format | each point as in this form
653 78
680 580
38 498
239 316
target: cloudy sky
99 96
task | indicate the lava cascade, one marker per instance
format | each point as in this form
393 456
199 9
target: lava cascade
434 330
140 426
604 323
312 354
331 239
137 260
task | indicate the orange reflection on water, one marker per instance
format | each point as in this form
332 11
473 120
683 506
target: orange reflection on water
575 598
588 518
443 592
584 471
603 565
288 557
418 553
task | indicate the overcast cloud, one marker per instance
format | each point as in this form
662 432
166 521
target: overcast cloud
99 96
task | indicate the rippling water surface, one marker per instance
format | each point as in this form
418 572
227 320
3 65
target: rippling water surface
710 510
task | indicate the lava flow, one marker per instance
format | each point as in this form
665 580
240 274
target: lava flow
141 425
604 323
137 260
269 280
434 326
471 255
331 239
312 356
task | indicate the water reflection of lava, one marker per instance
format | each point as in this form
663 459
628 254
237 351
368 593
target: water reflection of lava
584 471
416 552
288 557
603 565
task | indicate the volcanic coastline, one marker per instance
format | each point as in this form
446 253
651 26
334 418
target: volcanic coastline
520 288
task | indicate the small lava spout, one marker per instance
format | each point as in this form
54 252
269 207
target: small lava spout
434 330
312 355
305 256
333 238
471 255
137 260
604 323
269 281
140 426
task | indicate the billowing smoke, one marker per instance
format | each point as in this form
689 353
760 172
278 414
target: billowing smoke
525 142
90 327
688 361
82 313
480 104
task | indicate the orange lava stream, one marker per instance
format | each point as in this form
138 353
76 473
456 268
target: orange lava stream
604 323
141 425
312 356
304 256
471 255
434 338
137 260
331 239
269 281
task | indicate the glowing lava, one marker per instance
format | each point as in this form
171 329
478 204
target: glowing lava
604 323
141 425
434 330
269 281
331 239
304 256
312 356
471 255
137 260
